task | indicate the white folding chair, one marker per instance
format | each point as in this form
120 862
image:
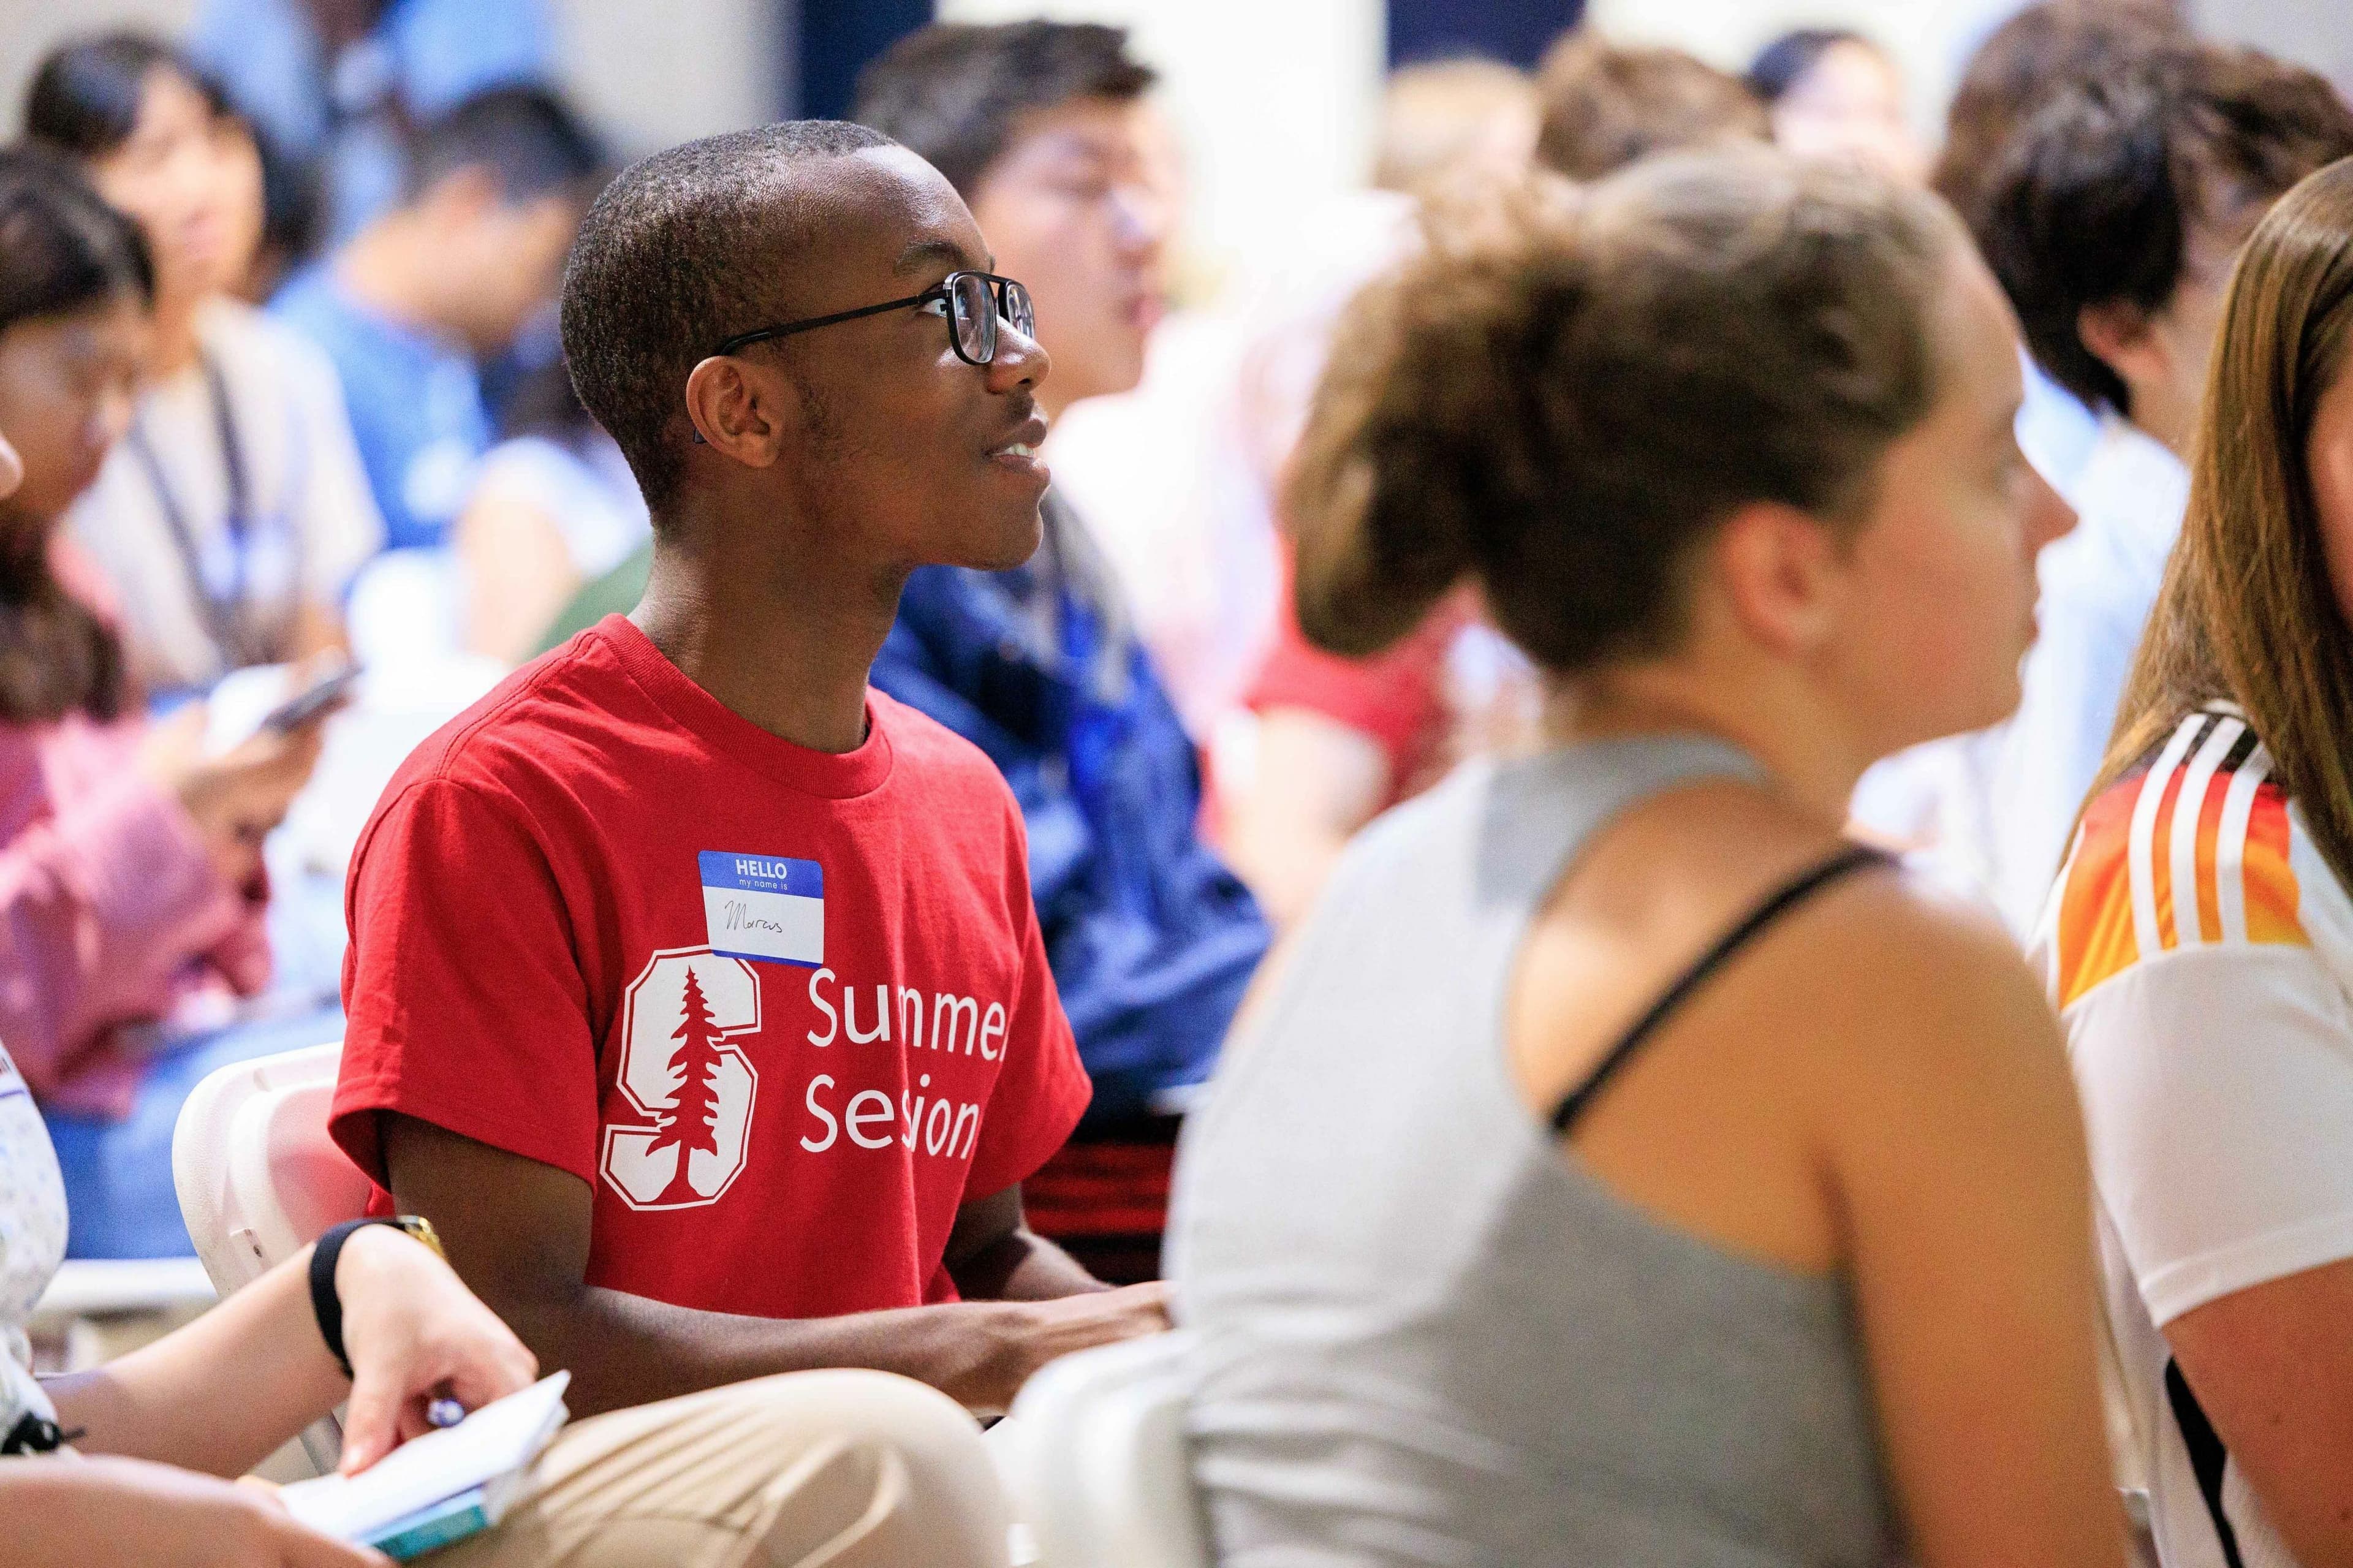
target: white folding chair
259 1179
1096 1460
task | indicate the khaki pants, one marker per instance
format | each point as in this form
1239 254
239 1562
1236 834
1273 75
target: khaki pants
843 1469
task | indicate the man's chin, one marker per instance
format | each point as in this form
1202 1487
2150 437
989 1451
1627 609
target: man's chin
1007 547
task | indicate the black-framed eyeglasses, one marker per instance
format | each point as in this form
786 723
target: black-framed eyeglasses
972 301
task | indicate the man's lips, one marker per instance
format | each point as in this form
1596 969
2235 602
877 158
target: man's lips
1019 447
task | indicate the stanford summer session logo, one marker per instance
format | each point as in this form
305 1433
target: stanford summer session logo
683 1071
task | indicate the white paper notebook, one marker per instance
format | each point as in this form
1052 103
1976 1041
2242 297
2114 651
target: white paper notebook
489 1453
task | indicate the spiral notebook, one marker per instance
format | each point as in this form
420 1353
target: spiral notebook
444 1486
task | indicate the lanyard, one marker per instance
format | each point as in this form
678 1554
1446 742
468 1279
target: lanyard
227 619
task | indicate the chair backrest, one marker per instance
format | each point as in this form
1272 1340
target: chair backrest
259 1179
256 1174
1098 1462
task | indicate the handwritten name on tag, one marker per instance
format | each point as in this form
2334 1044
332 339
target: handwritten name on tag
764 907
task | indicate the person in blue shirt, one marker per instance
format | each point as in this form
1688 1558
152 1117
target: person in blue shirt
420 297
328 83
1040 128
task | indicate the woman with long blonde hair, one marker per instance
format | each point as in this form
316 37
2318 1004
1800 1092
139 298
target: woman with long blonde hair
2200 942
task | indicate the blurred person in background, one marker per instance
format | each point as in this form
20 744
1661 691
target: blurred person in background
2112 221
1607 104
1039 126
2200 942
1935 801
2044 49
1834 93
1340 739
132 889
1627 1170
1445 123
230 519
410 309
337 86
553 508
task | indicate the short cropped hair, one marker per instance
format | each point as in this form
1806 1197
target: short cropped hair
681 251
956 92
1606 105
2095 198
528 140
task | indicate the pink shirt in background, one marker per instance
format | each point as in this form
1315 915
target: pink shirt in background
112 919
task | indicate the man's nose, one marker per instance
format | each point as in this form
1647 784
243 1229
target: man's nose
1020 361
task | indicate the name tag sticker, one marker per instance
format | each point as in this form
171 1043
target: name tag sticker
764 907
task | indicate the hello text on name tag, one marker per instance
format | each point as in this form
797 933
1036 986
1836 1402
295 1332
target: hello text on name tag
764 907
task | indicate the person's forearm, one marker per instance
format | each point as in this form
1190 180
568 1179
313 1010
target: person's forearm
1022 1266
624 1350
45 1502
220 1394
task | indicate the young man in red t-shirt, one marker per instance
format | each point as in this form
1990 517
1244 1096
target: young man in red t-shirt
695 990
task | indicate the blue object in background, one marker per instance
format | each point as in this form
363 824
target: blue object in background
415 403
423 56
1151 940
837 40
1515 31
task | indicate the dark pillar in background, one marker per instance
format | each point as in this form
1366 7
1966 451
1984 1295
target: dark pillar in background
1512 30
832 42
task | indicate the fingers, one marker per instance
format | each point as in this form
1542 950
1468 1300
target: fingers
371 1422
492 1371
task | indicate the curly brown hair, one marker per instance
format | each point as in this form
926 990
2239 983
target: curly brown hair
1565 397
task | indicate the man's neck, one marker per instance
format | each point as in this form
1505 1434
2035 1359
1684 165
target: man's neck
787 651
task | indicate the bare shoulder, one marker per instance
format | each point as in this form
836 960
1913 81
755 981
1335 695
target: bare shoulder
1901 987
1934 1023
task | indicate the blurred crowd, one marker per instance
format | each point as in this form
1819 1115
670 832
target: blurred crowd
305 474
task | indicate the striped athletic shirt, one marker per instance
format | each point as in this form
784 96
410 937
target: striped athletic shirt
2200 950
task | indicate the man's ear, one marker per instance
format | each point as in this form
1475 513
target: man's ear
736 410
1783 575
2122 336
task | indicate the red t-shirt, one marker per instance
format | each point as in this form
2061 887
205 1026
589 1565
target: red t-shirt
604 922
1396 699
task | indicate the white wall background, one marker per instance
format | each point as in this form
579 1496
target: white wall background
1274 99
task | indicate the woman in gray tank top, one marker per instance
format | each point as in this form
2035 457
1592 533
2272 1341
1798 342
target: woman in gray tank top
1625 1170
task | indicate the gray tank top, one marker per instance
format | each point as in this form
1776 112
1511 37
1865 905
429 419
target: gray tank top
1426 1334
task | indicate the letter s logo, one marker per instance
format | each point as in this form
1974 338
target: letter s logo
683 1073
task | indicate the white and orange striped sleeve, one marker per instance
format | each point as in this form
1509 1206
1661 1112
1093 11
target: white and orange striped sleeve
2212 1039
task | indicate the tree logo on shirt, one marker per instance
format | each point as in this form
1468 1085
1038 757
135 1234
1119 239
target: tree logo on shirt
686 1078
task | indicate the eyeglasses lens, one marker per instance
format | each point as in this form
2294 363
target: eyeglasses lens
1017 310
976 319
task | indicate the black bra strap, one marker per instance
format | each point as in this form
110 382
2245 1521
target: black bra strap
1796 890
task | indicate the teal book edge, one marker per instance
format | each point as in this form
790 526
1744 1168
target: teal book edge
449 1520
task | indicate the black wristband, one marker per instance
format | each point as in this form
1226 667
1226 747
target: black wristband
326 1305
